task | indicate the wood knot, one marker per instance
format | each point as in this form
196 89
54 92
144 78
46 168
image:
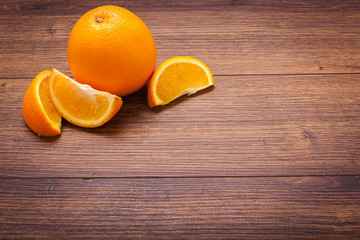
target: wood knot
338 222
52 30
308 135
87 179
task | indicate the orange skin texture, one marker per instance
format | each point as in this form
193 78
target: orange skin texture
150 98
33 111
112 50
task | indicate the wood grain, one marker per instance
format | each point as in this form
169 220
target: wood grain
176 208
271 152
232 37
244 126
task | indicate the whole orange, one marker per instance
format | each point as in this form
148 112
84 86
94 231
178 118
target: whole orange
112 50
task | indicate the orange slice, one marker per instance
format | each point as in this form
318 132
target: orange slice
80 104
176 77
39 112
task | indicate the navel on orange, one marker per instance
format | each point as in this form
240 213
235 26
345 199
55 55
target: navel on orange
176 77
80 104
112 50
39 112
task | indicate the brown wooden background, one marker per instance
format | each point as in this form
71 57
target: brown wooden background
272 151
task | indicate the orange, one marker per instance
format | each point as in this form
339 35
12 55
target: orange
79 103
176 77
39 112
112 50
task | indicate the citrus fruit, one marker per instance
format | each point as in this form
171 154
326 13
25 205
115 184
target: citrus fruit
112 50
80 104
176 77
39 112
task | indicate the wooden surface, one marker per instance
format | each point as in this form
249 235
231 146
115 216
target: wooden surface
272 151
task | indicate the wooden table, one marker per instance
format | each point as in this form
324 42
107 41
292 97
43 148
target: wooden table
272 151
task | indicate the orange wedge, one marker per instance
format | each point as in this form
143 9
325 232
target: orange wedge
176 77
79 103
39 112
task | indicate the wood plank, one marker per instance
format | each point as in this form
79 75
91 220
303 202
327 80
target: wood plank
244 126
68 6
232 37
176 208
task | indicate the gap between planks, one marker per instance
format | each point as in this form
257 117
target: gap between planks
185 177
243 75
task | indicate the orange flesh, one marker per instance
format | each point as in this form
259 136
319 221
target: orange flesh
175 78
75 101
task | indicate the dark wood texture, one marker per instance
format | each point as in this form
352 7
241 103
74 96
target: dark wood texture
244 126
271 152
182 208
232 37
